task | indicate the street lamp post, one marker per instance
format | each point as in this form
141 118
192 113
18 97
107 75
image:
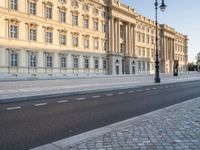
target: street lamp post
162 8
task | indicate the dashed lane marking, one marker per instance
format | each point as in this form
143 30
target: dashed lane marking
13 108
96 96
130 91
109 94
147 89
120 93
40 104
62 101
81 98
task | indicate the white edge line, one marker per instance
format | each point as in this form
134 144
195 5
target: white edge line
12 108
62 101
40 104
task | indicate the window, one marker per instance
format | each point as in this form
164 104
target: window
96 44
13 4
14 59
33 60
75 20
104 45
86 43
143 39
48 12
148 53
32 34
49 37
148 66
85 23
63 61
96 26
143 52
122 46
14 31
104 64
49 59
122 33
62 16
86 63
75 60
32 8
139 66
96 64
140 52
152 40
148 40
62 39
143 66
75 41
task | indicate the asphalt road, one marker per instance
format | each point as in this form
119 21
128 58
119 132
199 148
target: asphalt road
24 125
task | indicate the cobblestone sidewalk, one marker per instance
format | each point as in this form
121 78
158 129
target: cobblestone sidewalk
173 128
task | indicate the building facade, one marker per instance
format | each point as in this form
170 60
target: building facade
72 37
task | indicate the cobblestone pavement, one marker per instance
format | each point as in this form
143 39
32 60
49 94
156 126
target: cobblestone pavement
173 128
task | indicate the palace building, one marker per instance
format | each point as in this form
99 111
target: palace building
83 37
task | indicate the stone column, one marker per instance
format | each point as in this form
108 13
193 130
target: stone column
118 35
133 40
127 42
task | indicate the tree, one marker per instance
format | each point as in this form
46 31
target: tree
198 58
198 61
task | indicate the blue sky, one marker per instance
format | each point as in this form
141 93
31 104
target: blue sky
183 15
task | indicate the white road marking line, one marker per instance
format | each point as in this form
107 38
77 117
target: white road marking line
154 88
62 101
120 93
96 96
109 94
80 98
40 104
130 91
12 108
147 89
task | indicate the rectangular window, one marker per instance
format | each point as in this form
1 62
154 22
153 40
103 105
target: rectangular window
48 12
33 34
86 63
143 66
96 64
49 60
104 64
32 8
63 62
14 31
86 43
75 20
143 52
139 66
62 16
33 60
96 27
62 39
13 4
49 37
122 33
75 41
14 59
75 62
86 23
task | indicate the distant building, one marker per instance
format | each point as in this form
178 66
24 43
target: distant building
60 37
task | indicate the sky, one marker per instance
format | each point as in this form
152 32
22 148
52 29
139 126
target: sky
182 15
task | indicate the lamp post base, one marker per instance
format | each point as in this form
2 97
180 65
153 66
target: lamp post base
157 80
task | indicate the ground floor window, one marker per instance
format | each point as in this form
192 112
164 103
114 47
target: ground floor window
49 60
14 59
75 60
96 64
63 61
86 63
33 60
104 64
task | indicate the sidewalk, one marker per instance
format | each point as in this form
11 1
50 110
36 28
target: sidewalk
28 90
175 127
